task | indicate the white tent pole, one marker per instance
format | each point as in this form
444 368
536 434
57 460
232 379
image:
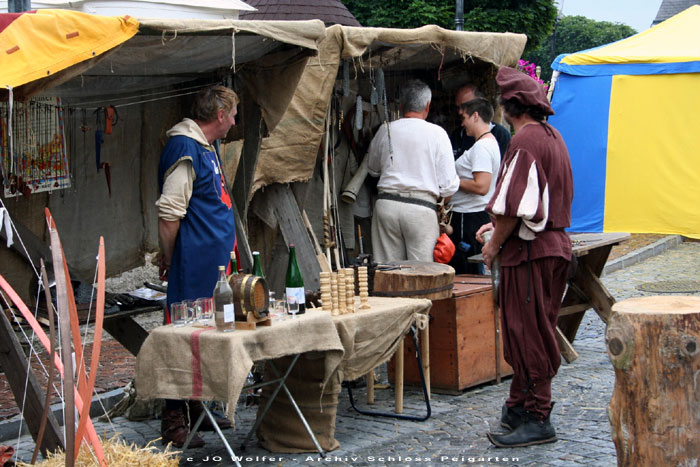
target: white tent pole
550 91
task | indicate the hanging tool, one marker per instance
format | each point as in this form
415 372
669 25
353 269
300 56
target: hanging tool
111 118
99 138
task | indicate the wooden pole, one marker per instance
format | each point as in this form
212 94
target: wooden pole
654 345
398 378
425 356
52 353
66 348
370 386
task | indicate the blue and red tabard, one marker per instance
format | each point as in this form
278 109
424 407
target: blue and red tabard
207 232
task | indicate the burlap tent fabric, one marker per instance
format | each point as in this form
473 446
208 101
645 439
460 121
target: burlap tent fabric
289 153
271 79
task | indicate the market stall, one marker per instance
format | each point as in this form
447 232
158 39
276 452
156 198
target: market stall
116 102
343 95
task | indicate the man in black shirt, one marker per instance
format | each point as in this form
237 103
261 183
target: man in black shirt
459 138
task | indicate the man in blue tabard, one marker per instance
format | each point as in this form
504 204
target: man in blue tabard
196 226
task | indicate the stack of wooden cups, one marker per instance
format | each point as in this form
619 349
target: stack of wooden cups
364 289
338 290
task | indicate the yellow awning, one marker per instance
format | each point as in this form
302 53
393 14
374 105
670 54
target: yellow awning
37 44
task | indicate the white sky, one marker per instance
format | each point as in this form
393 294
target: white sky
635 13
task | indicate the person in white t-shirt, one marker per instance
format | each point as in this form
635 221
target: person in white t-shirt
414 162
477 169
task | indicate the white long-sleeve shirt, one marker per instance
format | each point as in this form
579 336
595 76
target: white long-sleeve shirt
421 160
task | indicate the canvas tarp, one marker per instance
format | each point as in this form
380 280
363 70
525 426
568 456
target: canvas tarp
628 113
146 79
44 42
113 61
289 154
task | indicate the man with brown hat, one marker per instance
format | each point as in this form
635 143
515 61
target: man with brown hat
530 209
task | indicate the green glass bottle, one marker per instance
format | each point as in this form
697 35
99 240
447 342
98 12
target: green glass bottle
234 264
257 266
294 283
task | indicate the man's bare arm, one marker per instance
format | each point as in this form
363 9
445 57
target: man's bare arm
503 228
167 233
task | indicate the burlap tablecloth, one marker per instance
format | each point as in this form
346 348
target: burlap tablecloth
200 363
369 338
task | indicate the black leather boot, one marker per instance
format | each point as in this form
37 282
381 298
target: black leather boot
174 429
512 417
531 431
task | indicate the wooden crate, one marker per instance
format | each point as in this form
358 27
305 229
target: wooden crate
462 340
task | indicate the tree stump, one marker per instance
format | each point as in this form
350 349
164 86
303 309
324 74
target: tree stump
654 345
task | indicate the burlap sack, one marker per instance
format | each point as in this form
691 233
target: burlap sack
281 430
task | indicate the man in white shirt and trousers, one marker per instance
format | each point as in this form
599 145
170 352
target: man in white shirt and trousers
414 162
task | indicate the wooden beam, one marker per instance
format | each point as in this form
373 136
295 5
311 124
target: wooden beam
573 309
596 292
14 364
294 231
36 248
127 332
245 256
252 134
567 350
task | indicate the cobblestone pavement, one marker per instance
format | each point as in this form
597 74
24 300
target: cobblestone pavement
455 433
120 368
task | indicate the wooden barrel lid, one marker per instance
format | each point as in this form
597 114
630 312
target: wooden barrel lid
417 279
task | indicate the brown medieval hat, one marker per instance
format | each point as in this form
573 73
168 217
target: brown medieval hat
517 85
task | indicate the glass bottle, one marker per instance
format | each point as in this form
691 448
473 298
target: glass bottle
495 268
257 266
294 283
234 265
223 303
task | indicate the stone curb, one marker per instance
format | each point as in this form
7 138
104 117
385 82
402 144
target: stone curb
643 253
10 427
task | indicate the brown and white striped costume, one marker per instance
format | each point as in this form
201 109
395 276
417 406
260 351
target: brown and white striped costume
535 185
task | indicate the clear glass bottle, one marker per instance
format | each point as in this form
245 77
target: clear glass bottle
495 268
294 283
223 303
257 266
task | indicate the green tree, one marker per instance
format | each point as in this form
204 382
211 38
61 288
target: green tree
535 18
573 34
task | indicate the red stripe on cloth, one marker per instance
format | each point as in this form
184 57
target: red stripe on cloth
7 18
196 363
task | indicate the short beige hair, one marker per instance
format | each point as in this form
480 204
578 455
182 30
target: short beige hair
210 100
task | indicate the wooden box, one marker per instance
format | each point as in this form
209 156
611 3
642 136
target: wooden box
462 340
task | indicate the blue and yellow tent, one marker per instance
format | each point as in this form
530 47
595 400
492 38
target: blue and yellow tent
630 114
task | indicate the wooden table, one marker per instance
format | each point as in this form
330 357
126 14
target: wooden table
197 362
585 290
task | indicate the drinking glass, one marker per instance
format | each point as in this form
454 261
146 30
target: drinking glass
191 315
178 313
271 302
292 305
281 308
205 307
